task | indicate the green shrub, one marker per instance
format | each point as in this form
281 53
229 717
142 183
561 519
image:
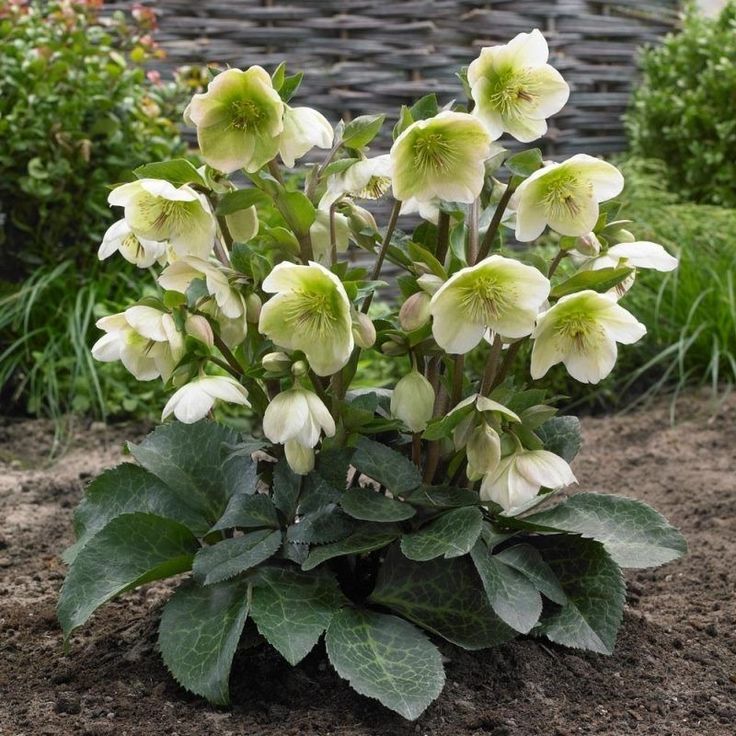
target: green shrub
77 113
683 111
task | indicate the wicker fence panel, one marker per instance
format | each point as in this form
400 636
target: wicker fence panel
373 55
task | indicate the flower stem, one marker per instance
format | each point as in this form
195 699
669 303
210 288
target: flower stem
556 262
489 374
315 179
393 219
443 236
490 236
473 234
457 380
416 449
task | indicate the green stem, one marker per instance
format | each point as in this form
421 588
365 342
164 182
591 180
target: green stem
491 367
315 179
393 219
506 364
490 236
556 262
443 236
457 380
473 234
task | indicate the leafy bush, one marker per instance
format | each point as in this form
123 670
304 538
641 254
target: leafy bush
77 113
682 112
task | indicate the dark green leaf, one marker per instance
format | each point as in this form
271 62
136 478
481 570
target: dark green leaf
286 487
362 130
525 163
512 595
385 658
561 435
362 541
241 199
527 560
425 107
442 497
452 534
195 459
177 171
316 494
292 609
405 120
250 511
388 467
595 594
369 505
634 534
442 596
290 86
131 550
199 633
298 211
230 557
333 465
600 280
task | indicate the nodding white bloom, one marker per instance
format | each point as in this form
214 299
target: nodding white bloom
180 274
581 331
304 128
368 178
310 311
483 451
144 339
480 405
429 211
239 120
515 89
519 478
195 400
157 210
319 234
441 158
498 293
412 401
414 312
565 196
364 331
296 419
243 224
139 251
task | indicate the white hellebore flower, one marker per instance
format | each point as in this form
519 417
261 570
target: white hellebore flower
368 178
180 274
483 451
310 311
304 128
581 331
139 251
239 120
195 400
296 419
144 339
157 210
515 89
565 196
498 293
519 478
412 401
441 158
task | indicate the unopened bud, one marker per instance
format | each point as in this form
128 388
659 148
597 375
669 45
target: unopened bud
199 328
300 368
253 306
364 331
414 312
429 283
362 225
299 457
393 348
276 362
588 245
243 224
621 236
483 450
412 401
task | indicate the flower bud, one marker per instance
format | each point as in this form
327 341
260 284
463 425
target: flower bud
429 283
253 306
243 224
412 401
483 450
276 362
299 457
621 236
414 312
364 332
362 225
588 245
198 327
300 368
393 348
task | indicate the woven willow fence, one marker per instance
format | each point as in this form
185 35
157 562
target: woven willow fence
368 56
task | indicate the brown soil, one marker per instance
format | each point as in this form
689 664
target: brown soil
673 672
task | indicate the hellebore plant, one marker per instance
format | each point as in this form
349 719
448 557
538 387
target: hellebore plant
383 520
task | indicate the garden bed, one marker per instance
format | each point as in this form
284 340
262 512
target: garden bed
673 671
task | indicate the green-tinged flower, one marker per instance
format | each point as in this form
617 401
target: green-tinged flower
581 331
368 178
243 224
364 331
515 89
565 196
179 275
498 293
441 158
483 451
480 406
309 311
297 418
144 339
321 237
412 401
195 400
304 128
518 478
157 210
139 251
415 312
239 120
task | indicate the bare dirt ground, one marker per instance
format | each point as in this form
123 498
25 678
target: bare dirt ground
673 672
